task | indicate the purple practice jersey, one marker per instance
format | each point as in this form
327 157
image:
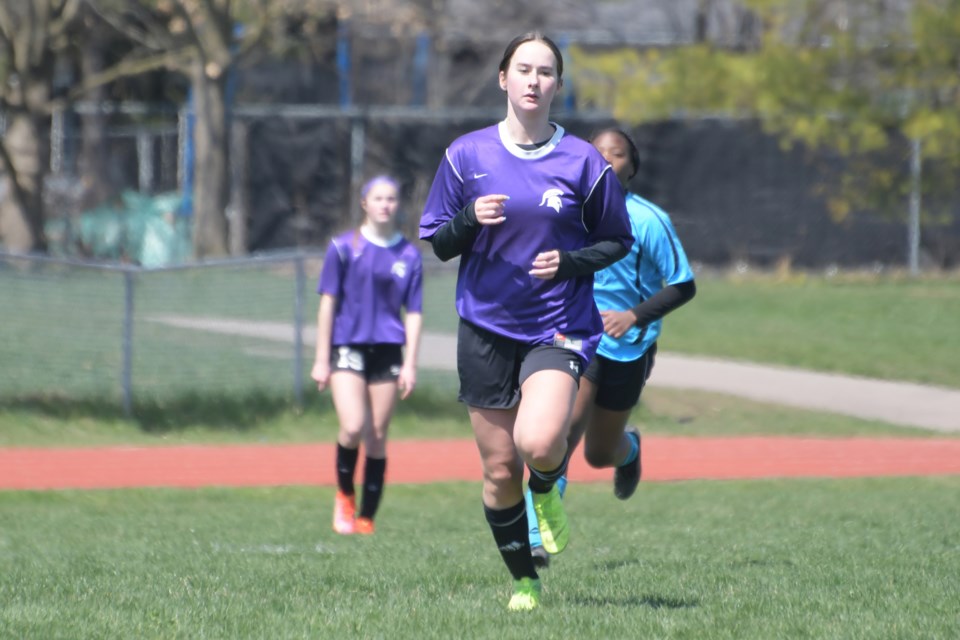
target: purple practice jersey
372 282
563 195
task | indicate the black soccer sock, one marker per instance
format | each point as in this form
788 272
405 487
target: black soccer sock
374 470
512 535
346 466
543 481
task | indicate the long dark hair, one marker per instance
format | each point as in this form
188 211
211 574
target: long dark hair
532 36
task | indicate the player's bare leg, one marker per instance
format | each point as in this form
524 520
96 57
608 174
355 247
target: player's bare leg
349 392
540 433
382 398
503 504
609 443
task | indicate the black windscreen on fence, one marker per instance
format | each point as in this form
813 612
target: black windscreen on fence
735 194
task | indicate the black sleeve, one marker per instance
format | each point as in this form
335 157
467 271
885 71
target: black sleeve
664 301
589 260
456 235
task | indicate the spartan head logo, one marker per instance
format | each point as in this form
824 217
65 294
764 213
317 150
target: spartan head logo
551 198
399 269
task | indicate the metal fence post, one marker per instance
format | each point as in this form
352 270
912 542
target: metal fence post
56 141
358 142
145 170
913 223
127 374
298 333
344 63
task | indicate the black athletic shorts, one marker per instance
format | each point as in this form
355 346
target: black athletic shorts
619 383
375 362
492 367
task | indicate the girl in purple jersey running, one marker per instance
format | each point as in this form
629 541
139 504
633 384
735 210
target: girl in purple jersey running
533 212
366 345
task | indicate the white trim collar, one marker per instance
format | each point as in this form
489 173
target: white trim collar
373 238
529 154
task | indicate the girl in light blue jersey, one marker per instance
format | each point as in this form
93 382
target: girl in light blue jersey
632 295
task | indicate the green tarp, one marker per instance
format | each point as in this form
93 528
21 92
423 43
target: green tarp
137 228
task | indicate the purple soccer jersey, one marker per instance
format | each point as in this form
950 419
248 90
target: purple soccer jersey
563 195
372 283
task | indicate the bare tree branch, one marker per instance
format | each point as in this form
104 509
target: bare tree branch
131 67
147 31
63 15
6 23
216 41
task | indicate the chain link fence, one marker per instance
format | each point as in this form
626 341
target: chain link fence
119 335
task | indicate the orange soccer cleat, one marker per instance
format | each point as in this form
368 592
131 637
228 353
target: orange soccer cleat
344 509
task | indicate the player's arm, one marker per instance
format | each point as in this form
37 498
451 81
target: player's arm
321 363
617 323
659 242
330 289
589 260
413 325
457 234
610 237
449 222
663 246
670 298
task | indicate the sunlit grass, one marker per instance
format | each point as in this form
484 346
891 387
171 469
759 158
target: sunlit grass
764 559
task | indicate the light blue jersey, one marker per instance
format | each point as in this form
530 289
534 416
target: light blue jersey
656 259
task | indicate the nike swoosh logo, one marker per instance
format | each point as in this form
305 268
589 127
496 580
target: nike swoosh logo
477 176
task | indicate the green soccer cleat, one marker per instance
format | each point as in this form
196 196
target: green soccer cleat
526 595
552 520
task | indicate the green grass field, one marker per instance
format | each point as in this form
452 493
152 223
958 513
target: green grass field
764 559
428 414
872 558
203 387
889 327
65 331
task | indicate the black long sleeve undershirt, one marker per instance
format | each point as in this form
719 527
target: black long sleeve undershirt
664 301
457 235
589 260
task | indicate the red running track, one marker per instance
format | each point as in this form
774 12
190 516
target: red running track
664 459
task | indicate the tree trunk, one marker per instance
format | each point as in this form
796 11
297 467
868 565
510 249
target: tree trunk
211 185
701 21
21 212
93 146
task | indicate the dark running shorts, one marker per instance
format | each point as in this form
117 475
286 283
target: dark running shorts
619 383
492 368
374 362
